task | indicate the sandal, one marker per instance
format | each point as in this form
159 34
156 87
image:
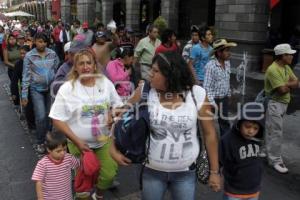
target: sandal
97 197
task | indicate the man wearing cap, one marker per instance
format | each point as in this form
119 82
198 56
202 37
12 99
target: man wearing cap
217 81
87 33
76 45
279 80
102 48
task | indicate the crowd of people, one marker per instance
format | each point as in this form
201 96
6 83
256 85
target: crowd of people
75 82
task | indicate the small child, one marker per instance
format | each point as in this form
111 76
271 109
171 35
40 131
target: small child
239 155
53 172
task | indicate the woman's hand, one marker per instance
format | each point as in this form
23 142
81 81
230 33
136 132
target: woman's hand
24 102
82 146
121 159
137 94
214 182
118 156
109 119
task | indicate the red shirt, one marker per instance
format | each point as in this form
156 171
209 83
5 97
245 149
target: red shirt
161 48
55 33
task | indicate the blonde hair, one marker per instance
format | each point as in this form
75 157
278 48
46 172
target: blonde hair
73 74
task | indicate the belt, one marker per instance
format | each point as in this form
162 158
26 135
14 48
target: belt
149 65
220 97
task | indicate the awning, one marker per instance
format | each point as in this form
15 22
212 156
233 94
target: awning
18 14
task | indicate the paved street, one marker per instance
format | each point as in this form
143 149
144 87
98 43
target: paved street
17 159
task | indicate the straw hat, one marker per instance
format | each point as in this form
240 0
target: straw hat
221 44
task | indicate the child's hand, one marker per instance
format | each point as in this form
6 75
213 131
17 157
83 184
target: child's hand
214 182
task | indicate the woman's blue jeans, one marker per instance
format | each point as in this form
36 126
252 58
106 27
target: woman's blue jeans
41 106
180 184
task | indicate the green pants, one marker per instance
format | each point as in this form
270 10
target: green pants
108 167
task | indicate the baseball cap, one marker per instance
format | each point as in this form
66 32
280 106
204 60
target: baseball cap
283 49
85 25
67 46
100 34
78 43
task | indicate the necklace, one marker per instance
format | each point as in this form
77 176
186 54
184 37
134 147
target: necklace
92 99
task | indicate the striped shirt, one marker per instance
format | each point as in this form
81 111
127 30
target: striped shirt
217 80
56 177
186 52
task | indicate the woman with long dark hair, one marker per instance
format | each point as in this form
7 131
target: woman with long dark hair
174 146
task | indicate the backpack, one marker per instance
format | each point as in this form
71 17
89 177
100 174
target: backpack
133 129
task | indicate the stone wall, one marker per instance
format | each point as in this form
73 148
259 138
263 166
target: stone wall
169 10
133 14
65 11
86 10
245 22
107 11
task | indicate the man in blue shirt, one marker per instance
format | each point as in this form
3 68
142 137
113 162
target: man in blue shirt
200 54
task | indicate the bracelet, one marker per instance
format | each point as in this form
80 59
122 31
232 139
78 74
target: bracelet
216 172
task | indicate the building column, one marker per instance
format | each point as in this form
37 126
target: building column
244 22
86 10
107 11
35 8
38 13
65 10
169 11
133 14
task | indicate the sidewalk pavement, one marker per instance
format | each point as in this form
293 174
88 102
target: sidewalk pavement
17 161
17 158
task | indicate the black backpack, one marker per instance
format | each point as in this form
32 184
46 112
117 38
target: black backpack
132 131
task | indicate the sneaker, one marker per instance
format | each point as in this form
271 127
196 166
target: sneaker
40 148
281 168
114 185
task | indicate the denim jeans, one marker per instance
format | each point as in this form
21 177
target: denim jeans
41 106
223 115
226 197
180 184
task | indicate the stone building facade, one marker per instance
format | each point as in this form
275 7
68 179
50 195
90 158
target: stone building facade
243 21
